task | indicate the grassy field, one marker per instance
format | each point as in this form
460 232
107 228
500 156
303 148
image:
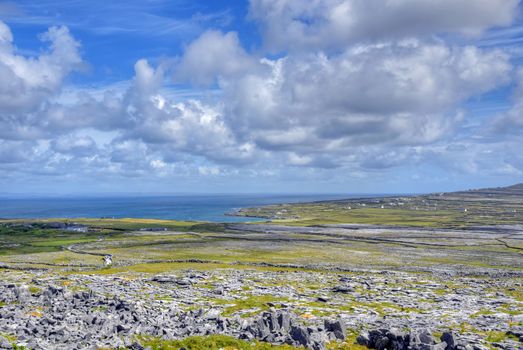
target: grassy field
300 243
219 342
213 246
453 210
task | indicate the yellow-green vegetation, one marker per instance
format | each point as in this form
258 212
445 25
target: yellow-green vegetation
12 340
219 246
442 210
498 336
482 312
212 342
23 240
34 290
349 343
34 236
491 336
221 342
137 250
9 337
313 215
515 293
509 309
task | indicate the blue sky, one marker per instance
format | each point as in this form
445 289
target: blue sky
260 96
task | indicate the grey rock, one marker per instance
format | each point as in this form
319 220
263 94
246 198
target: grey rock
300 335
337 327
423 336
272 321
381 343
363 339
395 335
284 320
342 289
136 346
439 346
449 339
163 279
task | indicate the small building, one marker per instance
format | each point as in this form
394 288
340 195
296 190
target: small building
108 260
77 228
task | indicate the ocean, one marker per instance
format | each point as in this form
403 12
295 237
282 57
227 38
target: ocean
175 207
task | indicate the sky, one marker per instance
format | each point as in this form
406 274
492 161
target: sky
277 96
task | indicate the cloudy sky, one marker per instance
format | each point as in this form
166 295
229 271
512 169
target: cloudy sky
351 96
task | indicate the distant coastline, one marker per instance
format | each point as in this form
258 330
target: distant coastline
214 208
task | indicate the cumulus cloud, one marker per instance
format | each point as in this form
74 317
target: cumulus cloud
214 55
26 82
402 94
331 24
189 127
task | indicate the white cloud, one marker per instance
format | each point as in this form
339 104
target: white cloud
190 127
331 24
206 170
27 82
403 94
74 144
214 55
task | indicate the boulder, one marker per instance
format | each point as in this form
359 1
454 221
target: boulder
337 327
342 289
448 338
422 339
363 339
300 335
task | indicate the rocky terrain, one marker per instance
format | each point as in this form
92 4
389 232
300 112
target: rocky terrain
301 308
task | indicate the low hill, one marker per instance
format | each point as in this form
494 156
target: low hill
514 190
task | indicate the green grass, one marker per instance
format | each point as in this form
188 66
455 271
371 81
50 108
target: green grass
420 211
222 342
16 238
498 336
12 340
122 239
310 216
481 313
34 290
24 240
212 342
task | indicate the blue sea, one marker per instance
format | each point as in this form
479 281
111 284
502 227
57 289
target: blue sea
176 207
